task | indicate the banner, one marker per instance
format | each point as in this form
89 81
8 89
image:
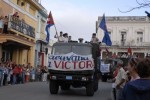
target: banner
70 62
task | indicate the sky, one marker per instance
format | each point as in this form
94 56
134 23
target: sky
78 17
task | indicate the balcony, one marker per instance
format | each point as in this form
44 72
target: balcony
18 26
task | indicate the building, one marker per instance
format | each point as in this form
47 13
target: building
127 33
18 44
41 49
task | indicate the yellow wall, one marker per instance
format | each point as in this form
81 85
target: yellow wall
22 56
32 10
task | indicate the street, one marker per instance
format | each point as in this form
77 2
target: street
40 91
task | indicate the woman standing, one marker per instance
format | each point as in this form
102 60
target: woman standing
132 68
139 89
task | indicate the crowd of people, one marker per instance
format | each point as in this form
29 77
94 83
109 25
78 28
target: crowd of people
132 83
63 37
11 73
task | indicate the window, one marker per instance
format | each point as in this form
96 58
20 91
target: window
123 37
80 50
42 30
139 37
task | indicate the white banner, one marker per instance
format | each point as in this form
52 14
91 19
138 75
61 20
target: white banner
105 68
70 62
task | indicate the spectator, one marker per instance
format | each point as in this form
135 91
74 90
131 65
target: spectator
5 75
94 38
113 84
32 74
132 68
1 74
140 88
1 24
15 14
23 73
5 24
120 79
15 71
38 73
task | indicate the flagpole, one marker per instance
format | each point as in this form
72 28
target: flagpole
56 32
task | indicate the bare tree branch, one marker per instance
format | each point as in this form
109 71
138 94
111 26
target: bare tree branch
137 1
146 3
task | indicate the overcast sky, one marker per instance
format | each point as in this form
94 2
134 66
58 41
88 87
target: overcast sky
78 17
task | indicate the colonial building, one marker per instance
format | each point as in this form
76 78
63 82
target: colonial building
18 43
127 33
41 49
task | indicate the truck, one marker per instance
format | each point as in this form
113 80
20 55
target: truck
74 65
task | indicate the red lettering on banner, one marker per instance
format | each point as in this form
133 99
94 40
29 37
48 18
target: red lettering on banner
81 64
89 64
74 63
57 66
63 65
66 65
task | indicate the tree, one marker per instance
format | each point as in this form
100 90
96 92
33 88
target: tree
141 4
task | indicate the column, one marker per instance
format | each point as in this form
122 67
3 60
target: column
31 55
15 57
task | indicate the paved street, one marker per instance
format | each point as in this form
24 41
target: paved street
40 91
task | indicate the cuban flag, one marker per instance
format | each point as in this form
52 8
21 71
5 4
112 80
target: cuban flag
50 22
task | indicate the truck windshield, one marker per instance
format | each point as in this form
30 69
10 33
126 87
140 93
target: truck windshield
57 50
80 50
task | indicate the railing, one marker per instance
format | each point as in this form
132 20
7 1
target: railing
21 26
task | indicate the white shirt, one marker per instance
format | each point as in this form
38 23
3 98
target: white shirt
121 75
61 38
65 39
94 40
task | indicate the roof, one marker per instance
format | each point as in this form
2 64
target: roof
71 43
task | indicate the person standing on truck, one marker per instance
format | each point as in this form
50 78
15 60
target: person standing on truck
120 79
65 37
94 39
60 37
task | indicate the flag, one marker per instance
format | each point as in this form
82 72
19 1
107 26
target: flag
106 38
50 22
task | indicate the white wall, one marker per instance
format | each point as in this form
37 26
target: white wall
131 27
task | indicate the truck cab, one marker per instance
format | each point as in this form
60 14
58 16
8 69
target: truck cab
73 64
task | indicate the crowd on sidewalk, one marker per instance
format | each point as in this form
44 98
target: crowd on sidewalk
132 82
11 73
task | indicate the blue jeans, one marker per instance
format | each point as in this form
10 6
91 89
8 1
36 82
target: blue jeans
14 79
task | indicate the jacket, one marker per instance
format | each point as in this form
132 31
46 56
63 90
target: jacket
136 90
